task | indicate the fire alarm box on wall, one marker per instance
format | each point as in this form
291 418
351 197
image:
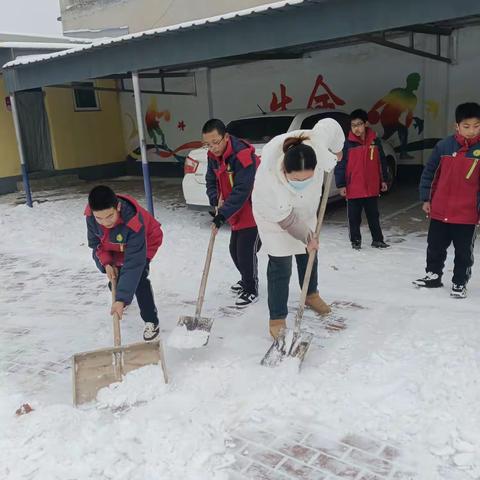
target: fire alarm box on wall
8 104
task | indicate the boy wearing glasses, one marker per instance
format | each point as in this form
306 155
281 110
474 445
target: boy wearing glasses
360 176
230 176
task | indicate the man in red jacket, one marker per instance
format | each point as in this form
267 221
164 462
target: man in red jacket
450 190
124 238
232 164
360 176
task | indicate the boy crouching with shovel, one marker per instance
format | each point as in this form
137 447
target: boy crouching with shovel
124 238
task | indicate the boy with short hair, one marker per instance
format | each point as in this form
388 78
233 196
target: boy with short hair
360 176
124 238
232 164
450 190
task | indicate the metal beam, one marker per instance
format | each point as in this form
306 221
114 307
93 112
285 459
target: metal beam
411 49
292 26
143 144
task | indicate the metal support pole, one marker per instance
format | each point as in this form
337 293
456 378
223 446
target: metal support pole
16 123
141 139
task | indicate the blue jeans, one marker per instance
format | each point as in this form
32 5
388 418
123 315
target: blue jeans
279 272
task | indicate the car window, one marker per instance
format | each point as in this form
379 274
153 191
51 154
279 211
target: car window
259 129
342 118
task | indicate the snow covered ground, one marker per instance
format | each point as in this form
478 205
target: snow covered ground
404 371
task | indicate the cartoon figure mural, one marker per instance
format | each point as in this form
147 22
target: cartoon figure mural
152 122
159 145
389 110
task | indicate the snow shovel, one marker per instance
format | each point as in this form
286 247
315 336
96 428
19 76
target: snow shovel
294 343
97 369
194 331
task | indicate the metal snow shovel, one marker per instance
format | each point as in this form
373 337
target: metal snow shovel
97 369
294 342
194 331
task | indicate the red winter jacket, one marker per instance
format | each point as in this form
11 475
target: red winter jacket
451 180
363 166
232 176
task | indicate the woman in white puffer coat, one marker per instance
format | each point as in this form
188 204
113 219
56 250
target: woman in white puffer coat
286 196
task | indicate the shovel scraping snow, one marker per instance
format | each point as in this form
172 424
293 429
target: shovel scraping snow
97 369
294 343
194 331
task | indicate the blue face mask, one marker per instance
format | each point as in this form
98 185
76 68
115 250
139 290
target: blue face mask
300 185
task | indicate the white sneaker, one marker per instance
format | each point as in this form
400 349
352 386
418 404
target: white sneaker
151 331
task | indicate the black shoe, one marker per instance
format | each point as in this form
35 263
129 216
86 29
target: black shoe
458 291
430 280
380 244
356 244
151 331
245 299
237 288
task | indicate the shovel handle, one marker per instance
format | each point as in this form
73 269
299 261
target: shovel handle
311 255
206 269
117 336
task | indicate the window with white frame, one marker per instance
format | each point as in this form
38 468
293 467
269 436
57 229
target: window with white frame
85 97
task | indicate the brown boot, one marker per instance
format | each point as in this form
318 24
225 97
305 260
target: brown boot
315 302
276 326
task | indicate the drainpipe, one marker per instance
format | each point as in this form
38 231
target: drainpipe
141 139
16 123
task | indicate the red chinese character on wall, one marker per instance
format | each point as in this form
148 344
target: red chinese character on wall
276 105
323 100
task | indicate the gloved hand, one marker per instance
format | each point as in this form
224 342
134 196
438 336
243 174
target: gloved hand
218 220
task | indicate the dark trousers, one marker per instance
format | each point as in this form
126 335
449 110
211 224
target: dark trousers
144 295
279 271
440 236
354 209
244 245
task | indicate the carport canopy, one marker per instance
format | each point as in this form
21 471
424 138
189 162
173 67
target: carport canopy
287 29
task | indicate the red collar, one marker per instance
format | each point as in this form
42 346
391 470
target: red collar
370 136
466 142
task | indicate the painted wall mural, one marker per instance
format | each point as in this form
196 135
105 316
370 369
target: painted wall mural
322 96
389 110
159 147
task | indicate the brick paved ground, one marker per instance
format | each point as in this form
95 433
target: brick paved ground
306 454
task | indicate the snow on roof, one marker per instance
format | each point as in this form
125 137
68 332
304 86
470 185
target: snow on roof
29 37
29 59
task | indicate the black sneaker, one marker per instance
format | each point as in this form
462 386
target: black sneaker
380 244
245 299
430 280
356 244
458 291
151 331
237 288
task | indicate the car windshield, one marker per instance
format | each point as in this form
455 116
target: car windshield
260 129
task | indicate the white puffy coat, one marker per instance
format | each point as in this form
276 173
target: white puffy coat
274 199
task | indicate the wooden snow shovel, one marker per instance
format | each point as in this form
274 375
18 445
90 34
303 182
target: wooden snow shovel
194 331
294 342
97 369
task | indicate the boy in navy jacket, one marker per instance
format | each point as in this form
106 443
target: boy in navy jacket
124 237
450 190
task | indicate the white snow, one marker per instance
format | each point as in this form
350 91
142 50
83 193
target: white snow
405 370
181 337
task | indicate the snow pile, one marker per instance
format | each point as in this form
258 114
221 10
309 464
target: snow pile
181 337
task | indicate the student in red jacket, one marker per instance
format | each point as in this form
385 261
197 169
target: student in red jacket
124 238
232 164
360 176
450 190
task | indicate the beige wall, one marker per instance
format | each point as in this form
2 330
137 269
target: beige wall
85 138
9 159
141 15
